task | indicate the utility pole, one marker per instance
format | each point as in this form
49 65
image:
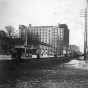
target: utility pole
26 36
85 33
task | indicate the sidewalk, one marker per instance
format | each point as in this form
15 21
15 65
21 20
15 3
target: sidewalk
45 56
5 57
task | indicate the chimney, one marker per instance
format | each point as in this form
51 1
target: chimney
29 25
58 24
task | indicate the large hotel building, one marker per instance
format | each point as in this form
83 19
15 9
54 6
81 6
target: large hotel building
53 39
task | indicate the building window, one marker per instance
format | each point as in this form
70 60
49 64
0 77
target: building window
49 40
54 29
34 33
21 30
60 35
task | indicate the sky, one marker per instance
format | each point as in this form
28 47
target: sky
46 13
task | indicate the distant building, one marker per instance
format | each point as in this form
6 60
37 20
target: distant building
6 43
55 36
74 49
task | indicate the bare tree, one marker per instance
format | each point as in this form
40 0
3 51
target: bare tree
37 38
10 31
16 34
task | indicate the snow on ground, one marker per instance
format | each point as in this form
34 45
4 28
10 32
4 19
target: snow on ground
5 57
79 64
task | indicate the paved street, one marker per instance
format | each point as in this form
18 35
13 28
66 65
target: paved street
47 73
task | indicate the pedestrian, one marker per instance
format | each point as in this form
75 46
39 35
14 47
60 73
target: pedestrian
13 53
38 56
19 54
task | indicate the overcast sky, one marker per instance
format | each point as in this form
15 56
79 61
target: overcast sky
45 13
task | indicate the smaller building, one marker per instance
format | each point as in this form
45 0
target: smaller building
16 41
5 43
74 50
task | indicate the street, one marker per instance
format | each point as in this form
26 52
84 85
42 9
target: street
46 73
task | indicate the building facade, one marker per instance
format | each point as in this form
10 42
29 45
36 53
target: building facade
55 36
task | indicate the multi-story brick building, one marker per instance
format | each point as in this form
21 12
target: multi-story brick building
55 36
